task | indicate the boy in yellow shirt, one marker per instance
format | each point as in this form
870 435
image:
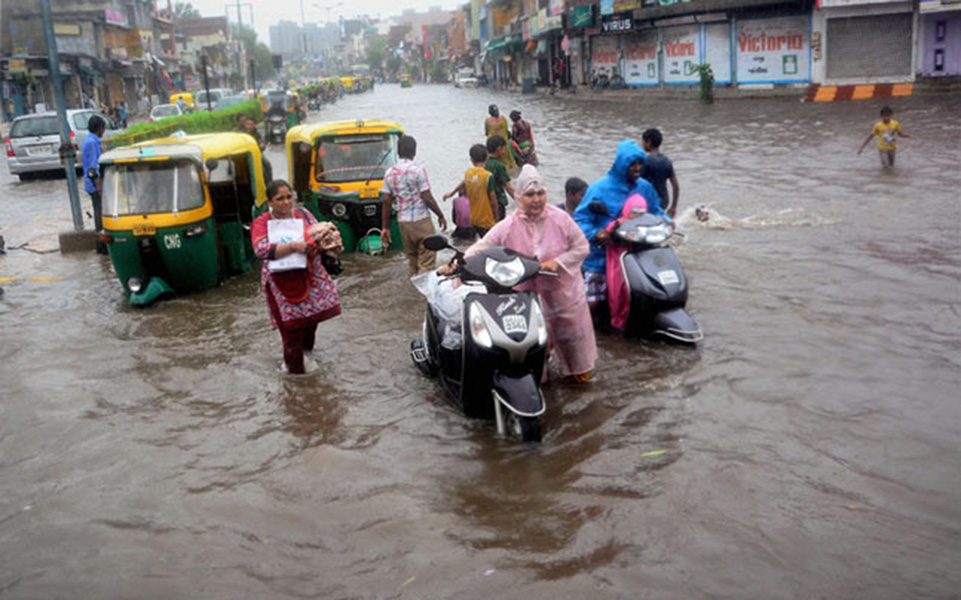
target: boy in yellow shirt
479 189
888 131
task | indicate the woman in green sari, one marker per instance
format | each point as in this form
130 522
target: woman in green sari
496 124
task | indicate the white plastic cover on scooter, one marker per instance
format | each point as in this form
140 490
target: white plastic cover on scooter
446 298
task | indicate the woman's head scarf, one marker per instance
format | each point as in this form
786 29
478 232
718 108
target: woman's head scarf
529 178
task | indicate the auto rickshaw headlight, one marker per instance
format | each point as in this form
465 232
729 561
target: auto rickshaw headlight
195 230
135 284
339 210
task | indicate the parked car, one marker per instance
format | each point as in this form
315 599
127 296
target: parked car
164 111
228 101
465 78
33 145
215 95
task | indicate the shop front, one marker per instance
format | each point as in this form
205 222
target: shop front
865 41
774 50
941 34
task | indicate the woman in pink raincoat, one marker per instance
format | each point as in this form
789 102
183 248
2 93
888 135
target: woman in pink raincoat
618 295
547 232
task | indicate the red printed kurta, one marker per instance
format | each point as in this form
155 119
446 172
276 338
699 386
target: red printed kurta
321 300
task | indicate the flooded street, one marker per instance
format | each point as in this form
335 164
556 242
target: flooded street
808 448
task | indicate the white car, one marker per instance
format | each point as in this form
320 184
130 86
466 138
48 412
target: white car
465 78
164 111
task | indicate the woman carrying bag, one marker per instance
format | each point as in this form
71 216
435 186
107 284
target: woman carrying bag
302 296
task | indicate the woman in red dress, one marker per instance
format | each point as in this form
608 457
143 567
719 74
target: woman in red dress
299 299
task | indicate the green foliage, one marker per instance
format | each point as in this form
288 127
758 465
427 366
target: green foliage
438 74
394 64
185 10
263 62
198 122
376 49
707 82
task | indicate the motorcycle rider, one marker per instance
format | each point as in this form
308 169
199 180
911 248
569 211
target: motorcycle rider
276 110
602 203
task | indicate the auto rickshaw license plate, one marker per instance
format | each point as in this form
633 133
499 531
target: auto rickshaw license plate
144 229
370 193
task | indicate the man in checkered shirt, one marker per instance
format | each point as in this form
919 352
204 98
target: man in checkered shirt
407 187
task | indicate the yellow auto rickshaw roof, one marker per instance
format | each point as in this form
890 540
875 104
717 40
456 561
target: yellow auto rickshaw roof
187 96
311 131
196 148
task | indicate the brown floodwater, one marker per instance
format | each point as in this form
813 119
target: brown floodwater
808 448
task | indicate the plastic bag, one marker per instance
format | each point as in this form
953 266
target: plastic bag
446 299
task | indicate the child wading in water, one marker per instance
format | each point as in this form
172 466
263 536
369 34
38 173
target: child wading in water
888 131
478 186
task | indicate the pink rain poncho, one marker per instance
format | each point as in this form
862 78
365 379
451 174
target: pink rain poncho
618 295
552 235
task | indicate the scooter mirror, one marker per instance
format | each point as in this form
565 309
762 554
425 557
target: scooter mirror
436 243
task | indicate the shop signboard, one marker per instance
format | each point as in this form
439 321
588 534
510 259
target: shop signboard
717 50
839 3
617 24
640 58
552 22
682 54
605 55
582 16
773 50
626 5
115 17
607 7
66 29
541 20
932 6
557 7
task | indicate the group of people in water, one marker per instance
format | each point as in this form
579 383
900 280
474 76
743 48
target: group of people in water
572 239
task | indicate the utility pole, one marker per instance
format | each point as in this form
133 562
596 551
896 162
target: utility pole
67 151
203 61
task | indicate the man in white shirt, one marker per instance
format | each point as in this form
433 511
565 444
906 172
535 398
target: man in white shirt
406 183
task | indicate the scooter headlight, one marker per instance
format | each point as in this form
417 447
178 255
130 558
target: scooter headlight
135 284
506 274
538 322
658 234
478 328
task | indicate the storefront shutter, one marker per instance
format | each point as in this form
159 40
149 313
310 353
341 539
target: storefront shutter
875 46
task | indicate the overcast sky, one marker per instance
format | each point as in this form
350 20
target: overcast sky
268 12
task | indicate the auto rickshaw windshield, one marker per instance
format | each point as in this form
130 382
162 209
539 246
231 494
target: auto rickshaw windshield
355 158
151 187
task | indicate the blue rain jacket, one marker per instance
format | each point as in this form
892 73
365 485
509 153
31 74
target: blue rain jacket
613 190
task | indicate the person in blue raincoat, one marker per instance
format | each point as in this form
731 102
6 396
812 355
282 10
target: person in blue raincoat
601 204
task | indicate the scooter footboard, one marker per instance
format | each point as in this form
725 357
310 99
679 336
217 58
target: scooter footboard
521 395
678 325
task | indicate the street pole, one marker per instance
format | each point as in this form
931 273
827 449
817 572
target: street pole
203 61
67 151
253 75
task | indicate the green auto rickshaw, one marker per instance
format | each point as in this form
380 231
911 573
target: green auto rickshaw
337 170
177 212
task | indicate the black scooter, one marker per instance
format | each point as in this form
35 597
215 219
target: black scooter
276 129
656 281
495 369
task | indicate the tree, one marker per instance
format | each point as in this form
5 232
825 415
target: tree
376 46
394 64
185 10
259 52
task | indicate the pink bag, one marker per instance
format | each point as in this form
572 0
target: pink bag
461 211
